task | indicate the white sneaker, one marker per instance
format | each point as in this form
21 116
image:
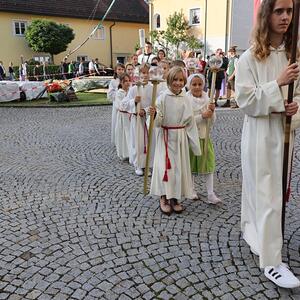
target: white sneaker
282 276
254 251
139 172
195 196
213 199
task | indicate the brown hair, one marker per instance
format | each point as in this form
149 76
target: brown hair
122 77
118 65
261 32
144 66
172 74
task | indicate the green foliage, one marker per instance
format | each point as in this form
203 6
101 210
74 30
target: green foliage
177 29
193 43
47 36
177 33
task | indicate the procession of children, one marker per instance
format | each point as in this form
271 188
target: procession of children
184 113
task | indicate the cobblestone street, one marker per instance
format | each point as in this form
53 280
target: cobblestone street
75 223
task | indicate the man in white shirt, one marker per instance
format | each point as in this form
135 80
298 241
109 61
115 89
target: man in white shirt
147 56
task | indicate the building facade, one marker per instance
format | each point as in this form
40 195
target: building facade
217 23
114 41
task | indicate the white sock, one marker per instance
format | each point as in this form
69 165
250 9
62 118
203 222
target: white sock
209 182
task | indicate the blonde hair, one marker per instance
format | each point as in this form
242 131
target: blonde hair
172 74
261 32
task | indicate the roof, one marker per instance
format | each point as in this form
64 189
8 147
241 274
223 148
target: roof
135 11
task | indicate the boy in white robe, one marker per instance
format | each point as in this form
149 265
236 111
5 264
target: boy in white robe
175 131
261 80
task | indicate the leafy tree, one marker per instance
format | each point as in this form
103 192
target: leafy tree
177 30
177 33
48 36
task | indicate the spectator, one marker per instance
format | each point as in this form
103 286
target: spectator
148 55
97 67
37 72
81 68
2 71
11 72
154 61
161 54
71 69
220 76
92 67
233 59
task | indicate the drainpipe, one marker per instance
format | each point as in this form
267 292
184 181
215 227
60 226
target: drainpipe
150 18
110 38
227 25
205 31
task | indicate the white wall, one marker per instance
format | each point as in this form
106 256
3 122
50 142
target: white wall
242 23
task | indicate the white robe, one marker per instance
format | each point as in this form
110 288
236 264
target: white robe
261 99
122 130
111 95
200 104
138 125
174 110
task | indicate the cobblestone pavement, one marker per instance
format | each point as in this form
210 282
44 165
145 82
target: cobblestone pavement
75 224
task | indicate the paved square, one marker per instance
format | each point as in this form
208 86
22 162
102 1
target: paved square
75 224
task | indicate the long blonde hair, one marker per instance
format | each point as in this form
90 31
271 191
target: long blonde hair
261 33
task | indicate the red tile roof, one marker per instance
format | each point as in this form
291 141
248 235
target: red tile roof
123 10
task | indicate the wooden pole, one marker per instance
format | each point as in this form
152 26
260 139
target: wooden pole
209 121
288 119
154 92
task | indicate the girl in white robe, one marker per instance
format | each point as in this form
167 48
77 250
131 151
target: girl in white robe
111 95
261 80
203 110
175 131
122 130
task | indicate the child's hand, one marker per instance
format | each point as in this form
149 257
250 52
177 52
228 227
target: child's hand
207 114
142 112
152 111
137 99
212 107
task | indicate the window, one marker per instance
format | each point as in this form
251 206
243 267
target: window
156 20
99 34
83 57
195 16
19 27
42 58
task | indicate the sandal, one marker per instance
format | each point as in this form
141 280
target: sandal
176 206
165 206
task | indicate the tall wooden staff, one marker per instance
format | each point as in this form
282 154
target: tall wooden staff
156 74
288 119
215 64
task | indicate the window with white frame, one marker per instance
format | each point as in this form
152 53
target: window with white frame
19 27
42 58
195 16
156 20
99 34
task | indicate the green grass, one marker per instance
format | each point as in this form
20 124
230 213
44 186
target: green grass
84 99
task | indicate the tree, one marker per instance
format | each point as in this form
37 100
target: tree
48 36
177 30
177 34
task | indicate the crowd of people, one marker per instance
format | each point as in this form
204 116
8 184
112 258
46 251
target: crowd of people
182 117
40 71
